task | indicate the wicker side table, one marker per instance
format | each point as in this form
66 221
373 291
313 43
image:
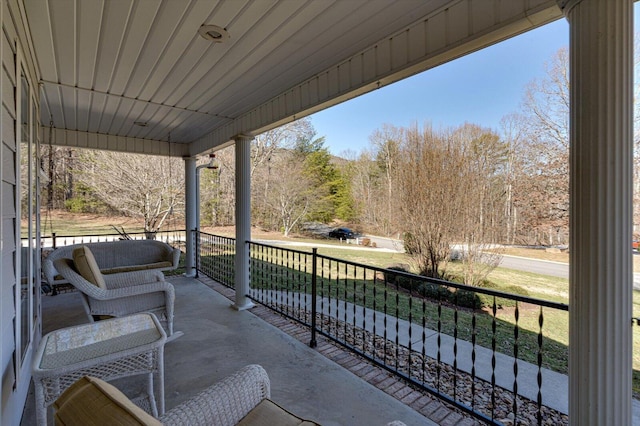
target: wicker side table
108 349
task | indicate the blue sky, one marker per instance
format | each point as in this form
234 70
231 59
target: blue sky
479 88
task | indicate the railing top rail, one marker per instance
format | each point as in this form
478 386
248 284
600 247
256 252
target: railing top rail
253 243
216 235
110 234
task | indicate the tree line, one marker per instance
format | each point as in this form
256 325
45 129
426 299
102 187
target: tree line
432 187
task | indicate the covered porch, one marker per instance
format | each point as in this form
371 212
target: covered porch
325 384
137 77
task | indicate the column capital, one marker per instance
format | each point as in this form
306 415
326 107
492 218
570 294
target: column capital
242 136
567 5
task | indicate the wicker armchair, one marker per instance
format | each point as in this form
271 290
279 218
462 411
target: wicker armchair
126 293
239 399
225 402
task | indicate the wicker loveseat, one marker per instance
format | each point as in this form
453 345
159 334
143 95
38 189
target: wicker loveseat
117 256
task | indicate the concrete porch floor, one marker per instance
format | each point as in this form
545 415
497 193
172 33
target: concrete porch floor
324 384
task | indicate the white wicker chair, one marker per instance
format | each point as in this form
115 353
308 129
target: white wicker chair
224 403
235 399
127 293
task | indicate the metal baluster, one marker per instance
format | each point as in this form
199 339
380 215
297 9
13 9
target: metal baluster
375 312
385 297
272 278
439 340
411 283
344 303
539 399
281 277
329 302
301 280
473 360
322 295
493 359
455 345
262 272
287 278
424 340
397 314
364 310
354 304
314 291
515 363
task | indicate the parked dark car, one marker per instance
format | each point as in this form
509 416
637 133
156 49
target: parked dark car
342 233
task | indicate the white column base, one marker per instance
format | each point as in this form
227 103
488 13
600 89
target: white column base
248 305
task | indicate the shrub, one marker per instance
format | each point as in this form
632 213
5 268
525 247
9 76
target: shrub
398 279
466 299
434 291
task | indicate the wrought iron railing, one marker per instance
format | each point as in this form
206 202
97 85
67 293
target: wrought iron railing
215 257
497 356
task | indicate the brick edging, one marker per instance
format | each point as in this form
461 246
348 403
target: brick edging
422 402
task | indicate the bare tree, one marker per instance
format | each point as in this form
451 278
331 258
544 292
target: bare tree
266 148
289 198
137 185
484 156
365 176
386 145
512 133
545 194
430 196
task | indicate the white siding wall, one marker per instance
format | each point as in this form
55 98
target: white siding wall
14 385
8 193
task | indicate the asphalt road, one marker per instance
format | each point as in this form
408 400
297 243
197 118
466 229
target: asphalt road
545 267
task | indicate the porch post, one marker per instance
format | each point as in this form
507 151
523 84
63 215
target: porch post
190 212
243 221
601 152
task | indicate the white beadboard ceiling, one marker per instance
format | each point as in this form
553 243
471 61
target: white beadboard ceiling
106 64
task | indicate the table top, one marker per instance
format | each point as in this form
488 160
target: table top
72 345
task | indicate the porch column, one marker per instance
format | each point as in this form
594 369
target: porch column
243 221
600 289
190 213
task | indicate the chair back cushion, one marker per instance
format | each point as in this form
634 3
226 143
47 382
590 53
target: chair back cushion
87 266
92 402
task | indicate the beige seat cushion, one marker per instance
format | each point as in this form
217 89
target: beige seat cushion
86 266
268 413
93 402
